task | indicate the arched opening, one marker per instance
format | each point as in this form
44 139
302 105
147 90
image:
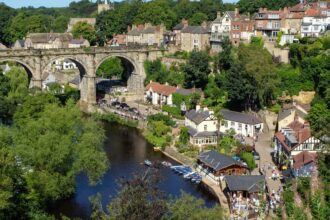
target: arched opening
65 77
9 65
115 76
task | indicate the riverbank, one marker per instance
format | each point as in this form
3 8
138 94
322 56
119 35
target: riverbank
211 186
172 153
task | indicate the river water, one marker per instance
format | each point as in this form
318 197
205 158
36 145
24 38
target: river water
126 150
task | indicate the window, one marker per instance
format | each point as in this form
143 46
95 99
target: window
232 124
205 127
277 24
239 126
226 124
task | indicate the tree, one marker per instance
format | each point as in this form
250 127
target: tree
5 15
188 207
84 30
138 198
60 24
156 12
227 142
198 18
54 147
319 119
252 6
184 135
18 81
197 70
225 59
155 71
248 158
159 128
111 67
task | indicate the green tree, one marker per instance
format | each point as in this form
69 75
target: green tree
252 6
60 24
197 70
319 119
54 147
138 198
184 135
227 143
84 30
18 80
198 18
188 207
6 13
248 158
156 12
156 71
111 67
159 128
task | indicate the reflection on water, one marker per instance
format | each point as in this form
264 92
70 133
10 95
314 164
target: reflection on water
126 150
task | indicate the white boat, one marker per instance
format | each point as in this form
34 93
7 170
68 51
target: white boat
188 175
148 163
166 164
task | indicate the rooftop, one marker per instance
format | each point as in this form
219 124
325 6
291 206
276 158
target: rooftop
161 88
240 117
303 158
249 184
216 160
195 30
197 116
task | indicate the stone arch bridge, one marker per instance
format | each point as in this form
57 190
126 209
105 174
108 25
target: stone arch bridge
35 61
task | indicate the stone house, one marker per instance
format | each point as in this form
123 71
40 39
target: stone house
195 38
48 40
268 23
202 125
19 44
78 43
3 47
146 34
293 140
74 21
177 31
243 124
290 114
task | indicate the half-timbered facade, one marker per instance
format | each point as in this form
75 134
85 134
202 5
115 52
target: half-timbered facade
202 125
291 141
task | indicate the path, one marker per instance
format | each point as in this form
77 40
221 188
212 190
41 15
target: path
263 147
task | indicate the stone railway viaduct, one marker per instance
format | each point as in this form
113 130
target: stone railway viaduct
35 61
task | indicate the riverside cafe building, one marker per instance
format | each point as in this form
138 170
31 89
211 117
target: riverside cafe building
215 166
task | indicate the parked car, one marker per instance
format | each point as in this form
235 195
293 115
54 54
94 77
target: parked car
124 106
256 155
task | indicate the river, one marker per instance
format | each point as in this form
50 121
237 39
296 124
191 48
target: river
126 150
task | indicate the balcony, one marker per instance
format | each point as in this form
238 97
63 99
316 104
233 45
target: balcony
217 37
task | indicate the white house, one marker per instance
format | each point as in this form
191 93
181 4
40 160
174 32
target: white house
244 124
68 65
220 28
292 140
159 94
315 22
202 125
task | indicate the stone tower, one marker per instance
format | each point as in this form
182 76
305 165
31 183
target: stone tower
104 5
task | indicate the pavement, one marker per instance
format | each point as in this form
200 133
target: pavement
263 147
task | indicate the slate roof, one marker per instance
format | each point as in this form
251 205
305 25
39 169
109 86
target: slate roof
149 30
216 160
195 30
46 37
284 113
197 116
240 117
194 133
248 183
183 91
21 42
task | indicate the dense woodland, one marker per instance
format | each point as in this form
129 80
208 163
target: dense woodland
16 23
35 172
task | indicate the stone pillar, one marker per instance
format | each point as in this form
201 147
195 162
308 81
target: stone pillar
36 80
90 81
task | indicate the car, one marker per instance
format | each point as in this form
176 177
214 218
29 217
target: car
256 155
134 110
124 106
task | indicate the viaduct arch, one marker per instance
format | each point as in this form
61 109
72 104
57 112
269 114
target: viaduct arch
35 61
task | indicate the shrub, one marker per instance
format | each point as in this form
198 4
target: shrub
161 117
174 111
248 158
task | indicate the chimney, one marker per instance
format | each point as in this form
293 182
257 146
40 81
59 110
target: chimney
260 10
218 14
205 109
129 28
185 23
236 12
204 24
285 10
198 107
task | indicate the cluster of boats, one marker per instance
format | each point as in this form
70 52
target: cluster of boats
187 173
164 163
